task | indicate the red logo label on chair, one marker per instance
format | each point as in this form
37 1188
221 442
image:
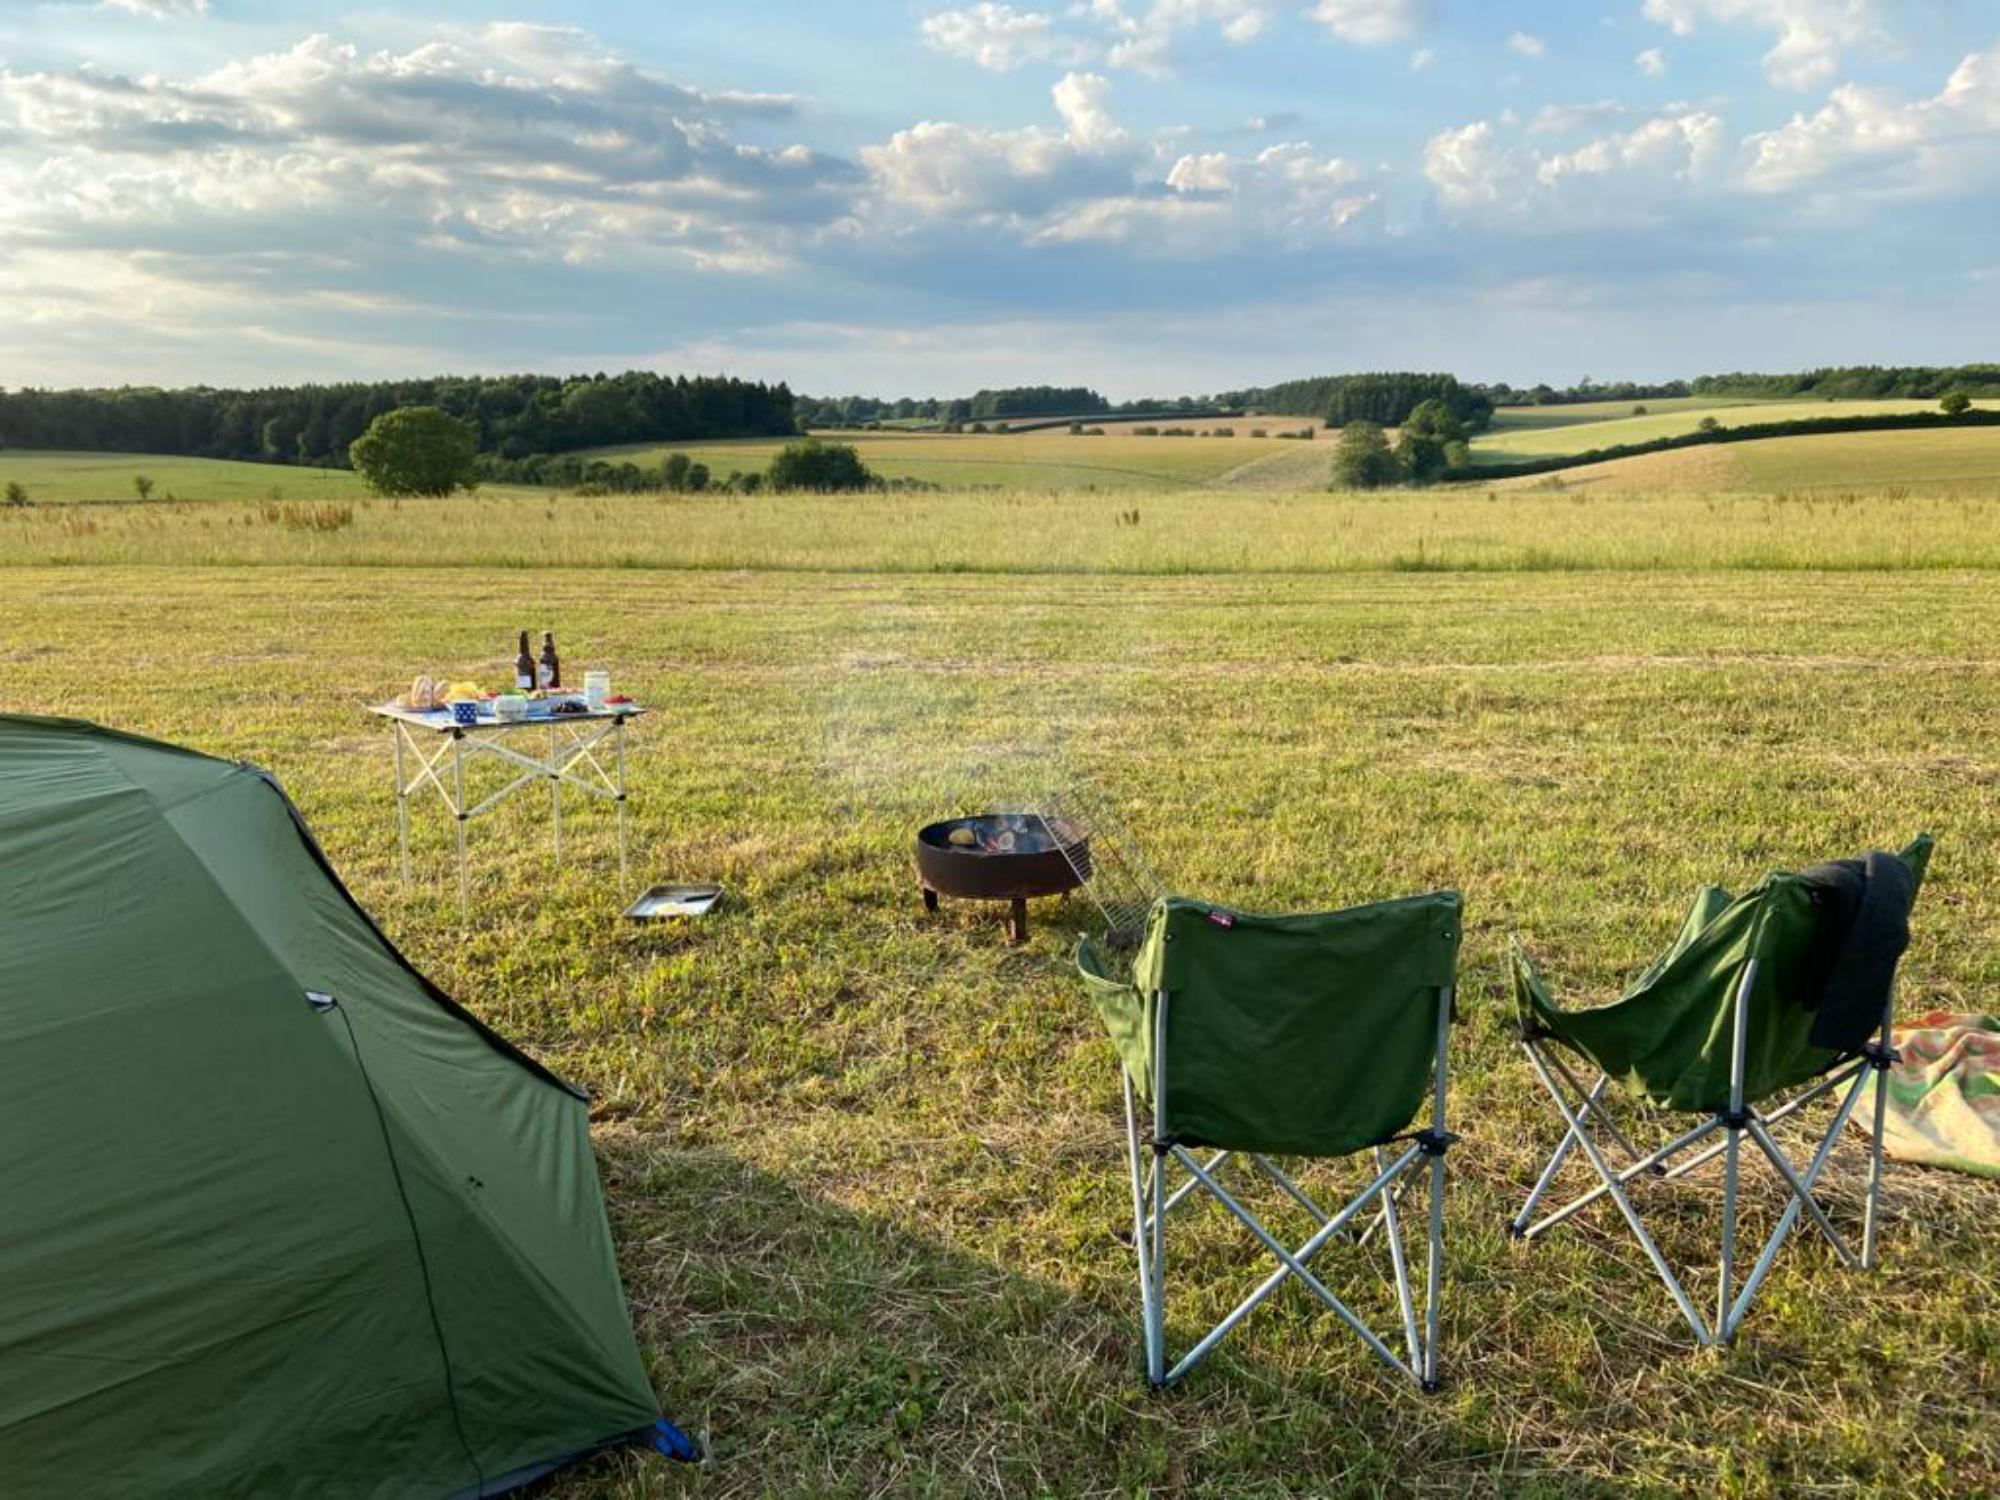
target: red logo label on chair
1222 918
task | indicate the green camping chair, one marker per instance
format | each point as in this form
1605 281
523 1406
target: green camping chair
1789 986
1258 1036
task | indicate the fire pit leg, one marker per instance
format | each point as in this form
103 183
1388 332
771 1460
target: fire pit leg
930 899
1018 927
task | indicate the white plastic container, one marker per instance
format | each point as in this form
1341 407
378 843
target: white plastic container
596 688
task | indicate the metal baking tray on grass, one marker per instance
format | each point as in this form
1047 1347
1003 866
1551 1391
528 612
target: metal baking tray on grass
674 901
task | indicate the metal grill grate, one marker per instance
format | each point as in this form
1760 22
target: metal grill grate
1113 869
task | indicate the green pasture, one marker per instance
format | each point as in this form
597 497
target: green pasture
863 1163
90 478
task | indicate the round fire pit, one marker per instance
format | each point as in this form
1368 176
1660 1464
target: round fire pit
1011 857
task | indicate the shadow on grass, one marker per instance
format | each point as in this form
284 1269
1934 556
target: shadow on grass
812 1349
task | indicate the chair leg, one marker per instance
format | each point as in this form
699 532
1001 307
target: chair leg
1732 1149
1143 1222
1434 1274
1790 1216
1290 1264
1611 1184
1881 1061
1518 1225
1435 1147
1802 1193
1399 1267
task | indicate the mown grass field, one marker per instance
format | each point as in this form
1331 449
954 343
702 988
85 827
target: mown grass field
1513 439
1047 459
864 1164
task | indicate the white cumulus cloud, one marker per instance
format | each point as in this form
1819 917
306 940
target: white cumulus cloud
1871 140
1652 62
511 138
1811 35
1623 176
1527 45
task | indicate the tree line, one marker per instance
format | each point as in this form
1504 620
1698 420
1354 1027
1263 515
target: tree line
512 417
1502 394
1913 382
1386 398
987 406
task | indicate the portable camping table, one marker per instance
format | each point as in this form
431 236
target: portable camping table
440 746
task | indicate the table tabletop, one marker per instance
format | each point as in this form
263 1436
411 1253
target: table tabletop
440 720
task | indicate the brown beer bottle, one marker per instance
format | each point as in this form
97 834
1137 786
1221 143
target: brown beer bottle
551 664
524 668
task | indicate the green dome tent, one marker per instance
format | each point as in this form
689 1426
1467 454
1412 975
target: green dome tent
277 1217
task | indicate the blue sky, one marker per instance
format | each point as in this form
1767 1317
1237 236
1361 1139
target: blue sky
1153 196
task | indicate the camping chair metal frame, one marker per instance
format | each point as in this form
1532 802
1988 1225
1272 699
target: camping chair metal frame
1733 1123
1153 1203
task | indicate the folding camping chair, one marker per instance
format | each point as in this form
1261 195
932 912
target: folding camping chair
1260 1036
1788 985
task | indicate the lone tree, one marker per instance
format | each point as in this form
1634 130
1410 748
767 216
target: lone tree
1428 440
809 464
1363 460
17 492
414 450
142 486
1955 403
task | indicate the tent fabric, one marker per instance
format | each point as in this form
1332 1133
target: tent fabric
1668 1039
279 1218
1307 1035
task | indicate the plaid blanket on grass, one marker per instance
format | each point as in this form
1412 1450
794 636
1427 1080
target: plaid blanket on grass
1944 1096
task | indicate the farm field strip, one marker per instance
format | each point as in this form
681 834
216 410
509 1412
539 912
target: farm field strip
1887 464
1510 442
1007 460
